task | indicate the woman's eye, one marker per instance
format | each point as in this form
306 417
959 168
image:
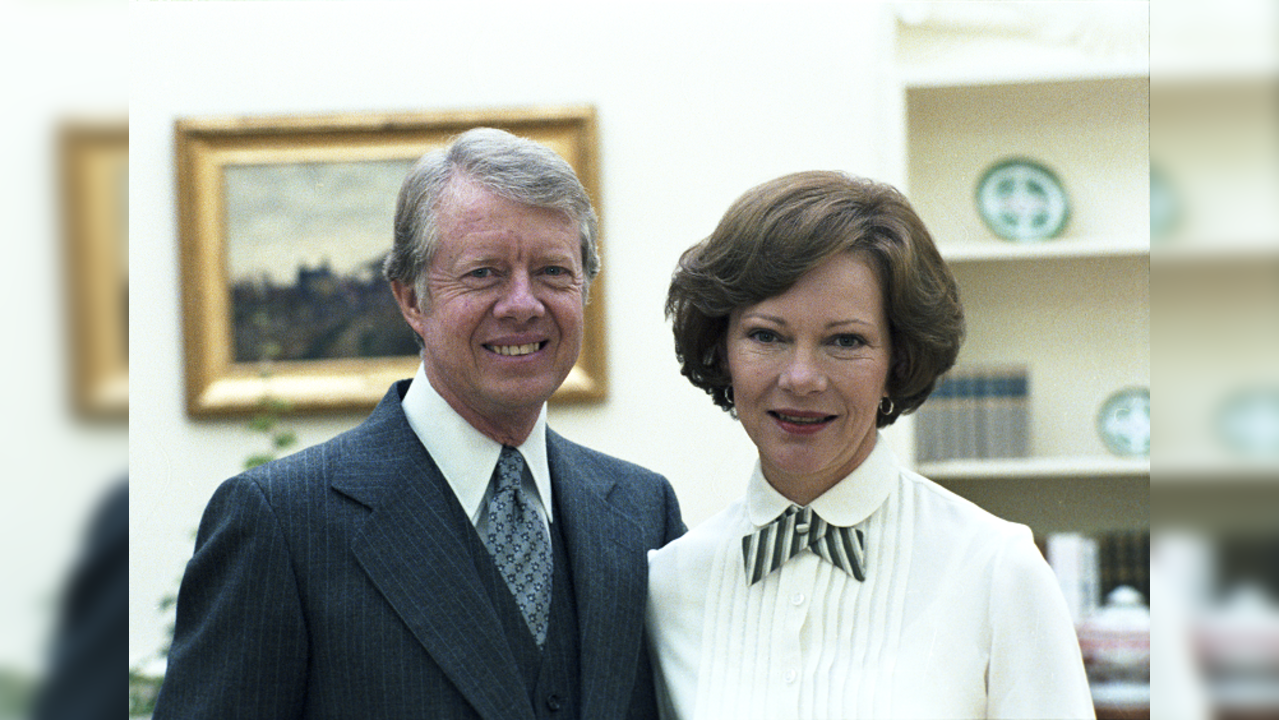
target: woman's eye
848 341
764 336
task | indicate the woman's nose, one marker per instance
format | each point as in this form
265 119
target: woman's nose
802 374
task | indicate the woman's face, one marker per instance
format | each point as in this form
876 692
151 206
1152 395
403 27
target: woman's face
809 368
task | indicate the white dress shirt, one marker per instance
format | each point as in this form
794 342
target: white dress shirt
467 456
959 615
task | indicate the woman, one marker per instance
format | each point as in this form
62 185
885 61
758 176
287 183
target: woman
842 584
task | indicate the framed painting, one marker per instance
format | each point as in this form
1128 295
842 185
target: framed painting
94 159
284 224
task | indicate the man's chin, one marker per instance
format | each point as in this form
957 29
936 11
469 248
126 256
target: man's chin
526 392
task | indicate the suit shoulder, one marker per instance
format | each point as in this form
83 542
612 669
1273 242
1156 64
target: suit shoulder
286 469
346 452
600 464
311 468
643 496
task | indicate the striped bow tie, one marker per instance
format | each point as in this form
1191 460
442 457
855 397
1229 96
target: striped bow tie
767 548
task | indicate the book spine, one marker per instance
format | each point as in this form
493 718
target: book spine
966 422
1073 558
926 443
1019 415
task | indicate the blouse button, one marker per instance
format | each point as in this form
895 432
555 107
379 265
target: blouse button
791 676
797 599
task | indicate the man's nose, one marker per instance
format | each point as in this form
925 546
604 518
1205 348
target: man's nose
519 300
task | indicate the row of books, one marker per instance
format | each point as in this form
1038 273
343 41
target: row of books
975 413
1088 567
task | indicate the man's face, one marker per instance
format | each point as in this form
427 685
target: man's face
502 326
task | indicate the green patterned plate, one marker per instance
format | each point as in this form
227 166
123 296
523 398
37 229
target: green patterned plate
1023 201
1248 422
1124 422
1165 207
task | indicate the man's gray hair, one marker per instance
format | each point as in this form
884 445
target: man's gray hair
511 167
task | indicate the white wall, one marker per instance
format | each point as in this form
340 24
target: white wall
56 465
696 103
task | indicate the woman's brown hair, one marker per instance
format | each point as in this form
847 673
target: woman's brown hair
778 231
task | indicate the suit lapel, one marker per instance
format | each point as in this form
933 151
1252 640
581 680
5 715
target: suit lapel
610 574
415 548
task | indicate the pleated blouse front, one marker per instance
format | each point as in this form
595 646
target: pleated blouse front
959 615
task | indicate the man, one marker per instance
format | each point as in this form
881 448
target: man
451 556
92 630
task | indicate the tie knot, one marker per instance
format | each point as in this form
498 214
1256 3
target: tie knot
509 470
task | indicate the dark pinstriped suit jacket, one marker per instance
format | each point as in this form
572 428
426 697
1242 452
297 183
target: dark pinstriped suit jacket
341 582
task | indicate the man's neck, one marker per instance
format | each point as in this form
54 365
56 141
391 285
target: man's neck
510 428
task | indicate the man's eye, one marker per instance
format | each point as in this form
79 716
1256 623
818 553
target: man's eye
480 273
555 271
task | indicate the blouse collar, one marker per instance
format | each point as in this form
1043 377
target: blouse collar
849 502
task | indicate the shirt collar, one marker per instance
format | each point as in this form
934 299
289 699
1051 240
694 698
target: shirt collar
849 502
464 455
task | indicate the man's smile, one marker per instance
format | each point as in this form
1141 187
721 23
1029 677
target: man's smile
516 350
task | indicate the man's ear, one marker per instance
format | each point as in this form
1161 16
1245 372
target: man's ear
407 298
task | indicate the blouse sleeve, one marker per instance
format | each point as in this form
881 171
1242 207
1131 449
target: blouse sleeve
1036 670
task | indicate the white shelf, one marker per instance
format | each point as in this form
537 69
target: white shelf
1067 85
1227 43
1036 467
1081 247
1213 134
945 44
1193 71
1172 252
1210 470
1002 73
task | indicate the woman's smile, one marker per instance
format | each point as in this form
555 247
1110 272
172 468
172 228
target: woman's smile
801 422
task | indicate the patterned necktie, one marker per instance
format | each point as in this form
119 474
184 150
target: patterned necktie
782 539
518 542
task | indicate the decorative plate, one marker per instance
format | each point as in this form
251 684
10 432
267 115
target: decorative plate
1023 201
1124 422
1165 208
1248 422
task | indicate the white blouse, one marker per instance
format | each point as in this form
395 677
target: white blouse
959 615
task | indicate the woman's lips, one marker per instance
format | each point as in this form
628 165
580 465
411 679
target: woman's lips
800 422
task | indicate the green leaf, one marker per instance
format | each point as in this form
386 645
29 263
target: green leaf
276 406
263 423
258 459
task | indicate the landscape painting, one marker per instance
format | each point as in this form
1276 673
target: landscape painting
305 245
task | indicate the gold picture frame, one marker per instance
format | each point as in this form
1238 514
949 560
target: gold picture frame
94 160
238 185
